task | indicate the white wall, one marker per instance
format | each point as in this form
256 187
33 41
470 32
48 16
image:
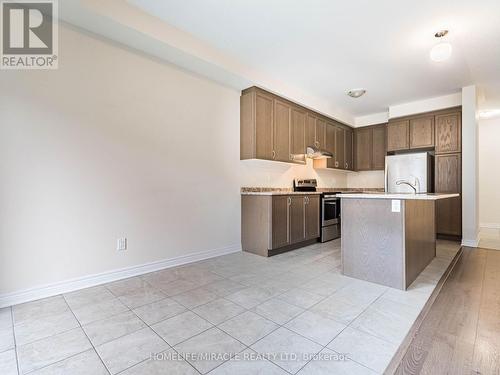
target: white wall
470 175
489 178
117 144
425 105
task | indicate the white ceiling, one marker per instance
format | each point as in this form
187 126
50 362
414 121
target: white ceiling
326 47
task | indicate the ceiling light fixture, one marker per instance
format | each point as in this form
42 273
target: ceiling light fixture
356 93
441 51
490 113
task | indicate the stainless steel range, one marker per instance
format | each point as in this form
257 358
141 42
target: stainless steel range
330 216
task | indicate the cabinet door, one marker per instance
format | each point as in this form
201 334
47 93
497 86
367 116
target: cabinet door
448 173
339 153
448 180
281 131
363 149
348 150
330 144
379 147
297 218
280 221
422 132
448 133
263 126
312 217
398 135
297 135
449 216
310 130
320 133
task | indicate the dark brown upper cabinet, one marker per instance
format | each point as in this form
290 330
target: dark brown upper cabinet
281 134
363 149
330 143
339 152
370 148
297 135
398 135
448 133
349 157
273 128
379 148
422 132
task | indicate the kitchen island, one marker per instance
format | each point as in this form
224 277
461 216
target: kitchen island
388 238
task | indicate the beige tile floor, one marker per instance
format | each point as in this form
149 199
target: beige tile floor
292 313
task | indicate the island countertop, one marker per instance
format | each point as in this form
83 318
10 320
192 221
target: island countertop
407 196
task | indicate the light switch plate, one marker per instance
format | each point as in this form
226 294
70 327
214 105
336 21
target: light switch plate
396 205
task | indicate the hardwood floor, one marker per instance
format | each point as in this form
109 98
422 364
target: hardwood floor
461 332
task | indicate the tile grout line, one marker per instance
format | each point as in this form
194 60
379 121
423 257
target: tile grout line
15 340
85 333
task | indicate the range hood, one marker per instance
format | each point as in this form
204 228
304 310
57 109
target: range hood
313 152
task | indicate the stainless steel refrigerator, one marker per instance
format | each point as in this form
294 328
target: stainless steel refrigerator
409 173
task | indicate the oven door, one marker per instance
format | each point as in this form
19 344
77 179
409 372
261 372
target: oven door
330 211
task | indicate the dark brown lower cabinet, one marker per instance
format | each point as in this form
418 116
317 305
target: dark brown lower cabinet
271 224
280 211
448 179
449 217
312 217
297 218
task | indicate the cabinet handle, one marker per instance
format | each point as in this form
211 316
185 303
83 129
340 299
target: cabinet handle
274 154
336 164
291 157
346 166
289 201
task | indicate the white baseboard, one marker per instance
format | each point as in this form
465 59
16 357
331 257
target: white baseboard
490 225
470 243
70 285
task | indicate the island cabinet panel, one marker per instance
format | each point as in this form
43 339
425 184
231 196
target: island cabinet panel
312 216
448 133
339 152
448 179
297 135
349 165
282 114
422 132
379 149
297 218
398 135
280 221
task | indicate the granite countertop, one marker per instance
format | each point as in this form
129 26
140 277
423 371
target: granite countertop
289 191
402 196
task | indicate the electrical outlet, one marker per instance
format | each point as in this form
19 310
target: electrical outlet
121 244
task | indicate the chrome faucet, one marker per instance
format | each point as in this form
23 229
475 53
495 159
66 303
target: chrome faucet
399 182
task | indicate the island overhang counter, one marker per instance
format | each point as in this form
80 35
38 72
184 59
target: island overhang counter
388 238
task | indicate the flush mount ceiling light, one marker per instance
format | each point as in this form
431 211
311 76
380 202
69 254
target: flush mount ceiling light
441 51
356 93
490 113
